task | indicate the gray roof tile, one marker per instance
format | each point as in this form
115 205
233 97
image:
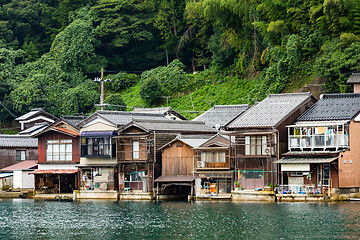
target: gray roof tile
18 141
172 126
333 107
272 111
121 118
354 78
73 120
221 114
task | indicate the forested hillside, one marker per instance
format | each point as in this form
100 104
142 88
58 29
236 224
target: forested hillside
190 54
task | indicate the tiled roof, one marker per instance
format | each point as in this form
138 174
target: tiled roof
73 120
354 78
272 111
27 164
38 127
221 114
18 141
121 118
162 110
33 113
333 107
172 126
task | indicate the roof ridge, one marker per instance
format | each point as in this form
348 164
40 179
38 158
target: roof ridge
128 113
231 106
168 121
327 95
289 94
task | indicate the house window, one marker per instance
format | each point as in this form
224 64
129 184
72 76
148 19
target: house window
136 154
213 157
59 150
96 146
20 155
256 145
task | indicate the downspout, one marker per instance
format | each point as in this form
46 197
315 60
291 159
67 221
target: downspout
153 166
278 156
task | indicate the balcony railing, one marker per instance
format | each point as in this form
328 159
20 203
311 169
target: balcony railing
96 150
302 189
318 141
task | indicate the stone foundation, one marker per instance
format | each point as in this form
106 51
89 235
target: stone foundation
249 195
95 194
136 196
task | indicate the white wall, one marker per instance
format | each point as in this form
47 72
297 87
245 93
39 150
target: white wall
56 166
22 179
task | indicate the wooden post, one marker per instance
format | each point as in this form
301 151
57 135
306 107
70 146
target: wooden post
102 89
59 182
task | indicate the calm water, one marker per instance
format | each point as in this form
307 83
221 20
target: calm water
29 219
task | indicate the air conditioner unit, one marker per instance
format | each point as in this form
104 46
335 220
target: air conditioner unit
200 164
266 151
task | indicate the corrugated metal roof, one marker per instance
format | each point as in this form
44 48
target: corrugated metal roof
3 175
38 127
175 179
18 141
302 160
271 111
33 113
67 131
55 171
27 164
221 114
193 142
354 78
173 126
331 107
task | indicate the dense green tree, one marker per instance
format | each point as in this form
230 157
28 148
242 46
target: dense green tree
116 102
151 91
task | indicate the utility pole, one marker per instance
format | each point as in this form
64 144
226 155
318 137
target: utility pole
101 80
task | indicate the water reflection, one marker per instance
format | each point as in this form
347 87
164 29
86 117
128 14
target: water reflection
29 219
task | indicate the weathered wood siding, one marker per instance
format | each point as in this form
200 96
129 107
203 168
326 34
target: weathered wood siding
177 159
8 155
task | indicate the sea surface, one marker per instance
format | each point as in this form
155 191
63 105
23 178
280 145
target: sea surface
33 219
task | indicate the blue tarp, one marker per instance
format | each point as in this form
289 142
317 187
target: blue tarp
98 134
2 175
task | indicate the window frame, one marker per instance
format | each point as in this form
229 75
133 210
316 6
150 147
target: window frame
59 150
22 153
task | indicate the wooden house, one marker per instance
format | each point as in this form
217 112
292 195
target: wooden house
17 148
323 154
139 156
98 163
260 136
200 161
58 156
